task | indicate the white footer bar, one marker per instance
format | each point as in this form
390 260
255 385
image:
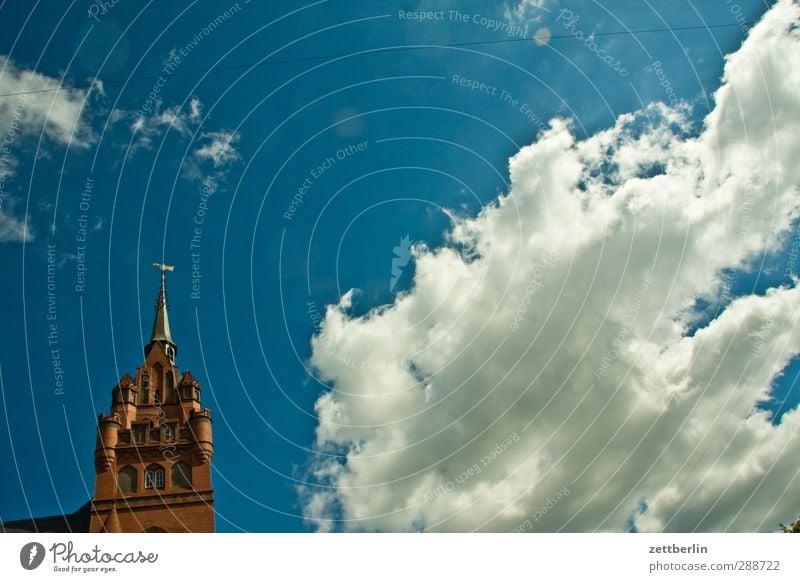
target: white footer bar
389 557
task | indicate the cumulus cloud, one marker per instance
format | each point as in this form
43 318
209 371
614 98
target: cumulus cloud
218 147
33 105
58 112
151 125
545 379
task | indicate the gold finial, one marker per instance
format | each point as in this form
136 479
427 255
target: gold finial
164 267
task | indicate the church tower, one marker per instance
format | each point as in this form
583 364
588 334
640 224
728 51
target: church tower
153 454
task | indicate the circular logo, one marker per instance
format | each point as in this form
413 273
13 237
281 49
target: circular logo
31 555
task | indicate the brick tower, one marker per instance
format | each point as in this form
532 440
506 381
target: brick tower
154 451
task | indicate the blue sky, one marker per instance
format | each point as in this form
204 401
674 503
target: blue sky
279 94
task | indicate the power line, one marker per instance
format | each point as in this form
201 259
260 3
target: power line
375 51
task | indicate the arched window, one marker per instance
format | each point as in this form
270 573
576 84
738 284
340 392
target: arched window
154 477
127 480
158 380
181 476
170 387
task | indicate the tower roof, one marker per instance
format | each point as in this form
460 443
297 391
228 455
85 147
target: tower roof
161 332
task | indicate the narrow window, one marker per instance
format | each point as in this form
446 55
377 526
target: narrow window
170 387
158 373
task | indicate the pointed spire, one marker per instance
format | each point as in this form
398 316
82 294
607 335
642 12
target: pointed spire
112 524
161 332
161 322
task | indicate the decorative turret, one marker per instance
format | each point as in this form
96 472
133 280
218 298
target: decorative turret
107 436
189 388
188 395
124 399
200 423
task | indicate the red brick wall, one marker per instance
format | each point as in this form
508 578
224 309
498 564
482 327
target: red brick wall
171 515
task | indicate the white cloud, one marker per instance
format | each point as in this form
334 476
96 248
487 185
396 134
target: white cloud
595 387
218 147
12 229
195 109
59 112
33 106
147 128
524 12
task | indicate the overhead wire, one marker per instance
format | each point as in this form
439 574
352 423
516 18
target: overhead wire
397 49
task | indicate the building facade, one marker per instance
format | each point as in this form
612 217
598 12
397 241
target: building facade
153 453
154 450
